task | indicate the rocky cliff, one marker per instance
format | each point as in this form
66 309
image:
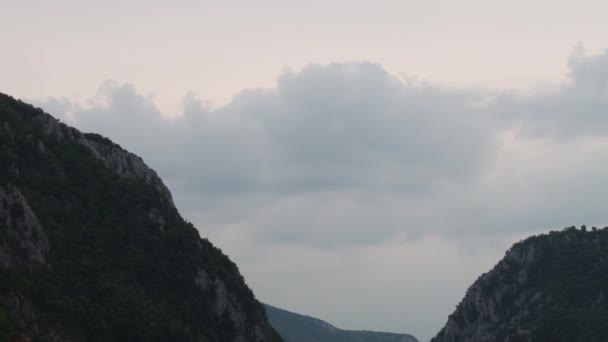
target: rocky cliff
550 287
92 247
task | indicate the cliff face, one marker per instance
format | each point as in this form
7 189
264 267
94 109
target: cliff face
294 327
92 247
547 288
24 242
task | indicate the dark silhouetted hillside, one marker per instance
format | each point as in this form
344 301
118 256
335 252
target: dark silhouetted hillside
92 247
298 328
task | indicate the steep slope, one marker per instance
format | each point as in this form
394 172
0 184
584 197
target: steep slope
550 287
92 247
298 328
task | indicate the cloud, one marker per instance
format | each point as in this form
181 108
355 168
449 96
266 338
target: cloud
321 137
346 153
355 155
575 109
353 125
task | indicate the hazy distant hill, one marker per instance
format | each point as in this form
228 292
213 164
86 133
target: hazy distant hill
93 249
551 287
294 327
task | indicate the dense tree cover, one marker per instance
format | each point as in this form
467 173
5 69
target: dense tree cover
572 270
112 274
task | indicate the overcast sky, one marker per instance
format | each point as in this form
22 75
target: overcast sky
361 161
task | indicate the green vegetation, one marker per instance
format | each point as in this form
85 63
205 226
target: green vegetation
572 270
10 326
113 274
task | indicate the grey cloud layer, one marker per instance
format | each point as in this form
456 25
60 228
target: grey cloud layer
577 108
346 153
329 127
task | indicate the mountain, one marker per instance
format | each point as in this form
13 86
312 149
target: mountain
551 287
294 327
92 247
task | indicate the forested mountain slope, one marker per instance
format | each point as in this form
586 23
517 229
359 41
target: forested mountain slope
551 287
92 247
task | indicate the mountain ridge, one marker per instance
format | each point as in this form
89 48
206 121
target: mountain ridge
294 327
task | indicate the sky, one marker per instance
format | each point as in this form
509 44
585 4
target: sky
361 161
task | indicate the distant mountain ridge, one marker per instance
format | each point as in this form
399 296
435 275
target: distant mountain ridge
550 287
294 327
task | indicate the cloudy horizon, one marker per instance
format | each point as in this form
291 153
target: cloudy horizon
365 182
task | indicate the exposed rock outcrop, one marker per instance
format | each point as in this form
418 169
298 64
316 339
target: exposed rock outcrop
226 304
112 155
22 239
